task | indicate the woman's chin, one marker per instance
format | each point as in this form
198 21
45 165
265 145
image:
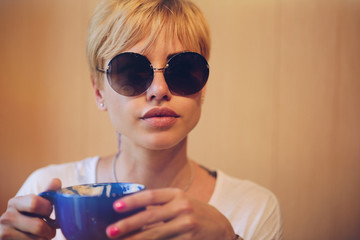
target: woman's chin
163 143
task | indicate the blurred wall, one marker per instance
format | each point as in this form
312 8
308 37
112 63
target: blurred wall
282 105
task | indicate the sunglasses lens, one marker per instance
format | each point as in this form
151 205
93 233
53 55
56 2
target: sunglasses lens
187 73
130 74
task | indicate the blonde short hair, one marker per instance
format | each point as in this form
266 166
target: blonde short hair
119 24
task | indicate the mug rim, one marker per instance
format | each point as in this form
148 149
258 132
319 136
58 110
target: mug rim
61 192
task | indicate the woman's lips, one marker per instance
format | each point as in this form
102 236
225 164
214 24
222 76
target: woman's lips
160 117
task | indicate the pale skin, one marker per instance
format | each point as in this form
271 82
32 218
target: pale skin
153 156
14 225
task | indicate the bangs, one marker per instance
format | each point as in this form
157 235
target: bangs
178 23
119 25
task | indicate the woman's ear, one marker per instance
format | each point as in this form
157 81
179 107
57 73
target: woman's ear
99 93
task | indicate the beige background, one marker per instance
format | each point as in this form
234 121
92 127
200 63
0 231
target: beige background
282 107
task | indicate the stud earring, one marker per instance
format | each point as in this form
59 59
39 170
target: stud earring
101 104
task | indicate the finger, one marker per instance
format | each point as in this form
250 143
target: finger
7 232
178 228
28 225
31 204
147 198
54 185
152 215
136 222
35 204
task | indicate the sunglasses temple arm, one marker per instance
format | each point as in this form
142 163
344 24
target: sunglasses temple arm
101 70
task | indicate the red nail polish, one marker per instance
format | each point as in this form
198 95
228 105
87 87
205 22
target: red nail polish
112 231
119 205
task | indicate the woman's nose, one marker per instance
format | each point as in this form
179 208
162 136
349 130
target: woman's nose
158 89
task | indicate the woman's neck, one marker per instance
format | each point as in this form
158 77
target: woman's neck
153 168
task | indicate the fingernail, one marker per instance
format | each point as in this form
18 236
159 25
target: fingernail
112 231
119 205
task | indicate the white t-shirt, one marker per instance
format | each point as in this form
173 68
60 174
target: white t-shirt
253 211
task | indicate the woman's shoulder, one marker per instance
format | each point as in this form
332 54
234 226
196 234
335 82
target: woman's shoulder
71 173
242 189
232 188
252 209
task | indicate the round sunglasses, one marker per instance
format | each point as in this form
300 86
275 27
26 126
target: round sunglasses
131 74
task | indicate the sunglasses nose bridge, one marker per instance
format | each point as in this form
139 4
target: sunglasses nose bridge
159 88
159 69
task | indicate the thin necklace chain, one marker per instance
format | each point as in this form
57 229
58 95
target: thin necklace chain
184 189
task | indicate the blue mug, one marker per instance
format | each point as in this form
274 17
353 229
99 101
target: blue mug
83 212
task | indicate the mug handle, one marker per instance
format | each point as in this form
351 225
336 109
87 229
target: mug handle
50 196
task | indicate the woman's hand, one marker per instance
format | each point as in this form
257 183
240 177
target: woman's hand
169 214
15 225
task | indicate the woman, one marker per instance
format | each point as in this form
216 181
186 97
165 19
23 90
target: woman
148 62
